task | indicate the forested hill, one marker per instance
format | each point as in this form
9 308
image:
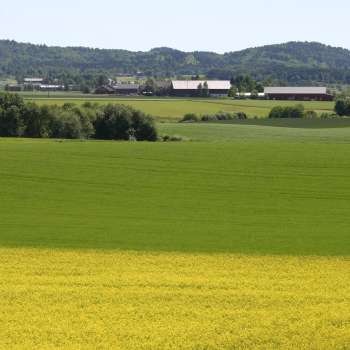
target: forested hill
294 62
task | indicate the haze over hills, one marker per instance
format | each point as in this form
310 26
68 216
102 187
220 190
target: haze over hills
295 63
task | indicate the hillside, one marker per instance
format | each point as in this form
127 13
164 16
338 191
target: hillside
294 62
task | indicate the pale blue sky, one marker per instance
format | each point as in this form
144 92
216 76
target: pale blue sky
215 25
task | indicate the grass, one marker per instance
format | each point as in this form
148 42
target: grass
236 197
239 240
261 132
175 108
303 123
161 301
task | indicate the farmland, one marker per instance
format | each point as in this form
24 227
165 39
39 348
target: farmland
263 131
236 239
173 109
231 197
73 299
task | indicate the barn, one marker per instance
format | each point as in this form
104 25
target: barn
298 93
118 89
189 88
126 89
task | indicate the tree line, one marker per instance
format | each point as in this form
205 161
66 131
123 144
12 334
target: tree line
294 63
109 122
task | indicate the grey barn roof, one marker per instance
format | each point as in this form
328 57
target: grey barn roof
33 80
193 84
312 90
126 87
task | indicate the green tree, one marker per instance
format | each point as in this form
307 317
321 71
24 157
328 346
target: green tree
200 90
205 90
119 122
101 80
36 120
11 114
297 111
342 107
150 86
85 89
232 92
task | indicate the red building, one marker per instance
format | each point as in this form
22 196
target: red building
298 93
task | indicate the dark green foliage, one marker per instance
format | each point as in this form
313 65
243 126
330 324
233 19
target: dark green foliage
37 120
205 90
244 83
326 115
69 121
295 62
190 117
150 87
11 115
310 115
232 92
85 89
11 123
114 123
287 112
143 127
342 107
221 116
119 122
172 138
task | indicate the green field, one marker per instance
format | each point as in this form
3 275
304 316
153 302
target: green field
174 109
314 131
245 196
236 239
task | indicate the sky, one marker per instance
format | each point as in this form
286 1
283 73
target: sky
189 25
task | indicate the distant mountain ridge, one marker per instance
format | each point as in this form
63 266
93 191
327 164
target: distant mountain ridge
295 63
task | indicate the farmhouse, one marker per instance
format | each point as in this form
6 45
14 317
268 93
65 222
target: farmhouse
33 81
187 88
298 93
50 87
126 89
118 89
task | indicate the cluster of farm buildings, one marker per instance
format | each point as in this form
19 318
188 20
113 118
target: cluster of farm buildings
190 88
217 88
35 84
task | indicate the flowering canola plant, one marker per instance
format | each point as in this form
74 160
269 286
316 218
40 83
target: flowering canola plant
81 299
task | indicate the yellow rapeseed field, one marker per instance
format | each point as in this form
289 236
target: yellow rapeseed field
52 299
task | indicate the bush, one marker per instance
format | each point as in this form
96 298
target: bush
36 120
310 115
190 117
171 138
143 126
287 112
11 123
65 125
328 115
11 115
116 122
119 122
342 107
241 115
224 116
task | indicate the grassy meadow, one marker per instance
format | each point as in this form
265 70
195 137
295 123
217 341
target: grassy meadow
173 109
237 239
316 131
248 197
